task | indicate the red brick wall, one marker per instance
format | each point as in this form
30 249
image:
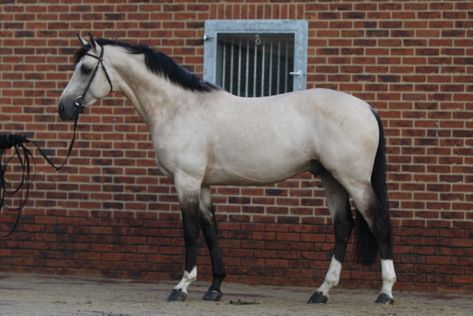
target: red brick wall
112 212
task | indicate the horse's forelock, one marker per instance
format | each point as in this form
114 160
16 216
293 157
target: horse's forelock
81 53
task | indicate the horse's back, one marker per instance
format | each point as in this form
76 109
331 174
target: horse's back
308 118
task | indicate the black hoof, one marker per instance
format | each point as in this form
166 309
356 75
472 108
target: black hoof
318 298
177 296
384 299
212 295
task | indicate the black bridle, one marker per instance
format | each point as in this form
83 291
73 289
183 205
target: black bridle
79 101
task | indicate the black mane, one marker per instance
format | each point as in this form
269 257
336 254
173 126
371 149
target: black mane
158 63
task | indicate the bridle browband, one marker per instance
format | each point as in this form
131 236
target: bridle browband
80 101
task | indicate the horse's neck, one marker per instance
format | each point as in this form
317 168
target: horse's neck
155 98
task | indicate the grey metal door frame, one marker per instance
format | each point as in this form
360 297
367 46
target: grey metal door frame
297 27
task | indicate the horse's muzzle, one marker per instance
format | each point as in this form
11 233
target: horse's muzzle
67 112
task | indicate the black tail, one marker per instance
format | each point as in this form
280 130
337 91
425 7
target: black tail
367 244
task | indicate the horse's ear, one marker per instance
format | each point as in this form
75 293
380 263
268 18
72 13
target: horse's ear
82 41
92 41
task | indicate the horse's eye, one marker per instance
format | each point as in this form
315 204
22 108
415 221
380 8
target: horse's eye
85 70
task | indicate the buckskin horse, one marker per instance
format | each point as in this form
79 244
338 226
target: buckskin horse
204 136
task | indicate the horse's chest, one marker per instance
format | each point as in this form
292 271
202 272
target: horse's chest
185 154
166 158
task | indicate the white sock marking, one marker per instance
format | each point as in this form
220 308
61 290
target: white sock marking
389 276
186 280
332 277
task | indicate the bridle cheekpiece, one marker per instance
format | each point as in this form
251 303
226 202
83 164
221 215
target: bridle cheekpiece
79 101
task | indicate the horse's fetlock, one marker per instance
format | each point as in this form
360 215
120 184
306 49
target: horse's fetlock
389 277
332 279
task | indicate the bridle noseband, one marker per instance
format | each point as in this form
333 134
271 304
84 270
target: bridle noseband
80 101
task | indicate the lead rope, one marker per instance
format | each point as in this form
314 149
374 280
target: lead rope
24 157
69 150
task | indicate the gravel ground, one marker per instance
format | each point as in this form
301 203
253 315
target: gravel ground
41 295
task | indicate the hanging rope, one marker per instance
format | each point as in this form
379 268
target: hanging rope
24 157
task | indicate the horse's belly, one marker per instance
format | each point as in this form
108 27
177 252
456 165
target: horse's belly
251 173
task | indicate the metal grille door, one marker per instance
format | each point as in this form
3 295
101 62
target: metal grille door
254 58
255 65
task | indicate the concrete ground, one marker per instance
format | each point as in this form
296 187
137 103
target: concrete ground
41 295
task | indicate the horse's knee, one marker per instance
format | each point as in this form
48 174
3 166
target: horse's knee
207 218
208 226
190 215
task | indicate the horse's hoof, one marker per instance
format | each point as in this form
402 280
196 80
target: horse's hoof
318 298
212 295
177 296
384 299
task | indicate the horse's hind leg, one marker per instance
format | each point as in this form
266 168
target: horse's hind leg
339 207
208 226
375 235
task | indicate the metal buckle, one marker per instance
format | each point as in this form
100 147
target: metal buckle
80 103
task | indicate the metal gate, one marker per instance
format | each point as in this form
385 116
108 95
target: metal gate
255 65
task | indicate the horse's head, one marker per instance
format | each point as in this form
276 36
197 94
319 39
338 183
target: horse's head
91 80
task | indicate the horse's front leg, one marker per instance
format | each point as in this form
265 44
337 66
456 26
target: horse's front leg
208 224
190 223
188 190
